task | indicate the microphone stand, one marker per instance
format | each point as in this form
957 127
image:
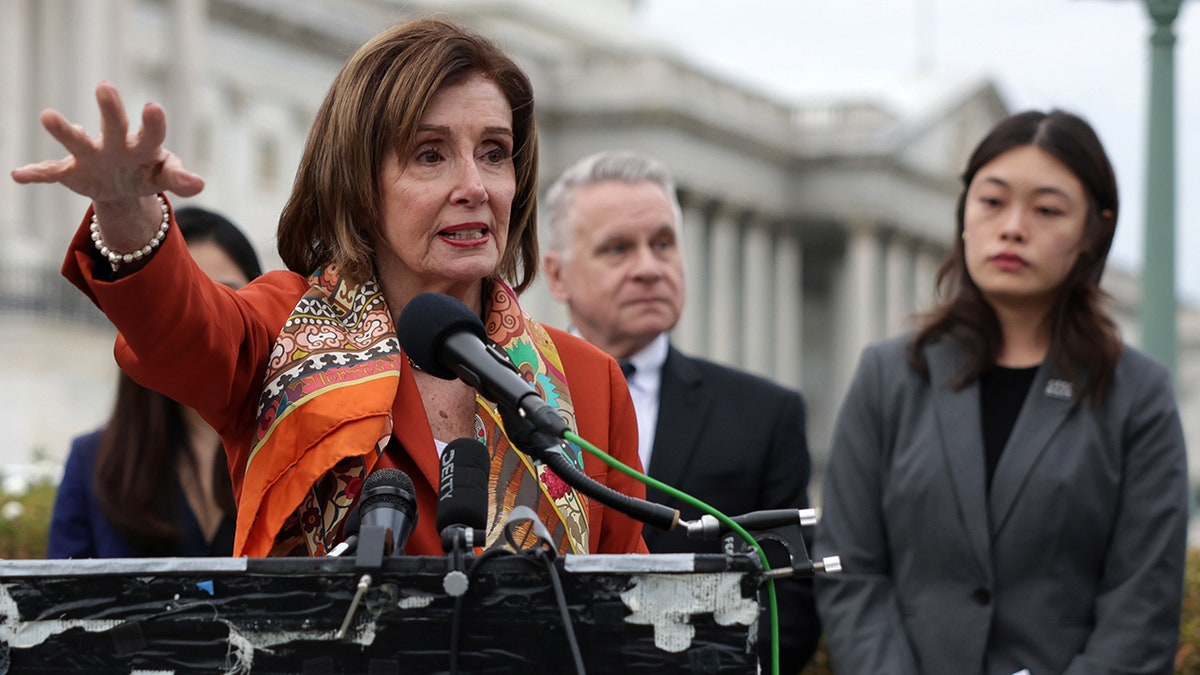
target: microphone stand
547 449
369 546
782 526
458 541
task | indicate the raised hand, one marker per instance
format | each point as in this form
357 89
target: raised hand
116 165
119 171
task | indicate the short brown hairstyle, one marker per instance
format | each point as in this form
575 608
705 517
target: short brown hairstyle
375 105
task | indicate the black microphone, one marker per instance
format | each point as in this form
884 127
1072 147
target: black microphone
388 500
444 338
463 493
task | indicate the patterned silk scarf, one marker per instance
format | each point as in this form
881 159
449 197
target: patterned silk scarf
325 420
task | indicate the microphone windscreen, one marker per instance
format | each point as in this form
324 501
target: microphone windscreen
387 487
426 321
463 488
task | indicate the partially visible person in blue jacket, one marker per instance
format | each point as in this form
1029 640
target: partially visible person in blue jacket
154 481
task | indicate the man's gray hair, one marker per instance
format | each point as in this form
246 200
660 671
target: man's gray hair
609 165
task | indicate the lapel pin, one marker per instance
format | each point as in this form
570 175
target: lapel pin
1060 389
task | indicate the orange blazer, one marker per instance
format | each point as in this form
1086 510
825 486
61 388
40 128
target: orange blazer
206 346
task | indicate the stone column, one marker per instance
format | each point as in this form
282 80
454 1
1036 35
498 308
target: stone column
862 316
88 57
788 314
79 44
898 284
724 286
758 301
234 148
926 263
18 115
58 82
184 67
690 334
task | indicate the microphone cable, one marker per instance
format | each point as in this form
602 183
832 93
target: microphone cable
535 555
547 557
542 549
705 508
456 615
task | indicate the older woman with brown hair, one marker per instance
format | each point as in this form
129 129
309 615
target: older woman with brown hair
419 175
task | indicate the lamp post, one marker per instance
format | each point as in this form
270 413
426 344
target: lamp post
1158 306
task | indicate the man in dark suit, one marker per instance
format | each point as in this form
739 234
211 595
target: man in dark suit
733 440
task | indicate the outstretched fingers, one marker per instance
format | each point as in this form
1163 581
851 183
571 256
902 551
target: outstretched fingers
116 164
47 171
114 126
171 175
177 179
150 137
72 136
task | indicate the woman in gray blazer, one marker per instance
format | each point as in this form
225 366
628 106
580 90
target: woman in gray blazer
1007 486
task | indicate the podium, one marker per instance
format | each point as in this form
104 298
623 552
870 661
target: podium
671 613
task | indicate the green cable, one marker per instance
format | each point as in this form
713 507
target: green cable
724 519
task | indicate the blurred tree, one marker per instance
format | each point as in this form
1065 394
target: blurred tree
25 520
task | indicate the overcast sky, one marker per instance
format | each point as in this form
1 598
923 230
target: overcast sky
1087 56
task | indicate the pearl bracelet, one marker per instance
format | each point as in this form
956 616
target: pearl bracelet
115 259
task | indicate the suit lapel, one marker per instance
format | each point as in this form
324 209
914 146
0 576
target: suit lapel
959 424
682 402
415 438
1049 401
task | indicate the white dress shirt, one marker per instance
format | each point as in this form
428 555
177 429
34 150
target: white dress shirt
644 387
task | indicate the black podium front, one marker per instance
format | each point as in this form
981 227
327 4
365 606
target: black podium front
631 614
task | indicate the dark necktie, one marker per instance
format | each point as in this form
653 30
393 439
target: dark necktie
627 368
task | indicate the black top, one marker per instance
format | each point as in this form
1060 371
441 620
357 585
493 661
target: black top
1002 391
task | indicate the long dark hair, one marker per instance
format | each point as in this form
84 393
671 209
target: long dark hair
146 437
1084 342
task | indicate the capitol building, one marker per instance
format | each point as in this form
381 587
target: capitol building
812 226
